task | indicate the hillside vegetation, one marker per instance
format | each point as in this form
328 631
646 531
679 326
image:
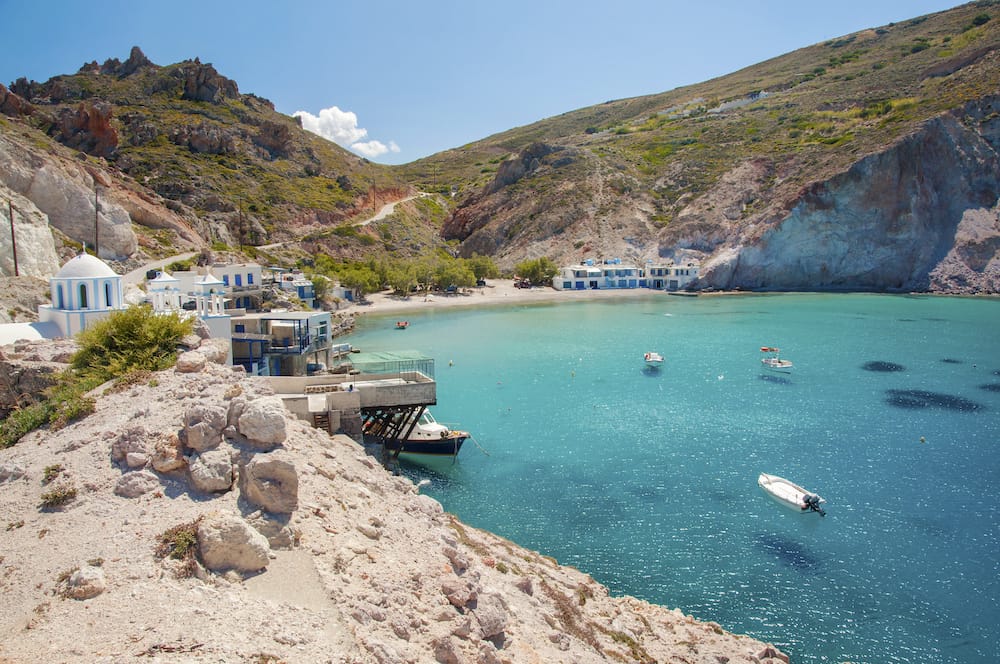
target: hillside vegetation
890 134
647 167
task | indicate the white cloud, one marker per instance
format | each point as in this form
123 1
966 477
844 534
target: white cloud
374 148
342 128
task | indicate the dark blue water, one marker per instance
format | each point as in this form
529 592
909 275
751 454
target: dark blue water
647 480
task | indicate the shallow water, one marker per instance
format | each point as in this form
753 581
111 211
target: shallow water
646 480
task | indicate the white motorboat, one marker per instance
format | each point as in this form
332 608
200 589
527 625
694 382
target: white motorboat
427 436
790 495
653 360
773 360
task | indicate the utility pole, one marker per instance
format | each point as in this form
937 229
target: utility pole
13 240
96 226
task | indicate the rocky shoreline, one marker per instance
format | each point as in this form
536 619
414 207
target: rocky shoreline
307 550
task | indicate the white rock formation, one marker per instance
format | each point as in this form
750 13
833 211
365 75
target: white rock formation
36 253
65 192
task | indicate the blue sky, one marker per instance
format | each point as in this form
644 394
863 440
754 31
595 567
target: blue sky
399 80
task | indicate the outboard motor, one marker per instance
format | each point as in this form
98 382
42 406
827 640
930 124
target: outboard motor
812 502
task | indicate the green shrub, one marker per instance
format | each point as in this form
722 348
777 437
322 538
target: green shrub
134 338
58 496
23 421
51 472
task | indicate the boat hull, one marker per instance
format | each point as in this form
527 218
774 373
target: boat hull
443 447
788 494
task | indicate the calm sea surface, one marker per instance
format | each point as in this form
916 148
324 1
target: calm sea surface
647 480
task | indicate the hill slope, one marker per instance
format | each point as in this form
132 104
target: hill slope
869 162
866 162
224 164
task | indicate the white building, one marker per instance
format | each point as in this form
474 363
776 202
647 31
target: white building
671 277
84 291
609 274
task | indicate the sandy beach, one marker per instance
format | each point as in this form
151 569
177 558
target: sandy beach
496 292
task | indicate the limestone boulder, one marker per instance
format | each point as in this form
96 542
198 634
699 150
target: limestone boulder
168 454
491 612
212 471
133 447
263 422
192 361
10 471
135 484
272 483
227 542
203 426
215 350
86 582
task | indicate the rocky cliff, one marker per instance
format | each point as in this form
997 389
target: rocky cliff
188 519
87 203
922 215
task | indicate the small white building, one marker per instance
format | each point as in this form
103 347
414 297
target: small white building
84 291
243 282
165 293
590 276
671 277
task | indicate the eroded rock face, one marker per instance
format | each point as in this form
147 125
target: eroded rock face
64 192
922 214
88 129
36 253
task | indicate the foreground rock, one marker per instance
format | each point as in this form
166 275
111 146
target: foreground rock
301 549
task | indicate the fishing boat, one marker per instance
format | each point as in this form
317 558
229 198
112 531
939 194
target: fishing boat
653 360
402 324
790 495
773 359
427 436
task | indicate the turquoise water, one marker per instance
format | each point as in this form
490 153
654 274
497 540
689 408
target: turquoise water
647 480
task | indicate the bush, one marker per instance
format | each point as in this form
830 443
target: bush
134 338
58 496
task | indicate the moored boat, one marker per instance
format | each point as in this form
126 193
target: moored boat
402 324
790 495
773 360
653 360
427 437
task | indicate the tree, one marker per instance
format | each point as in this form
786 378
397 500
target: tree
538 271
454 273
483 267
359 277
401 278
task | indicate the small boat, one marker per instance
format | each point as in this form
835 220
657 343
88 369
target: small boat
428 437
773 360
790 495
653 360
402 324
